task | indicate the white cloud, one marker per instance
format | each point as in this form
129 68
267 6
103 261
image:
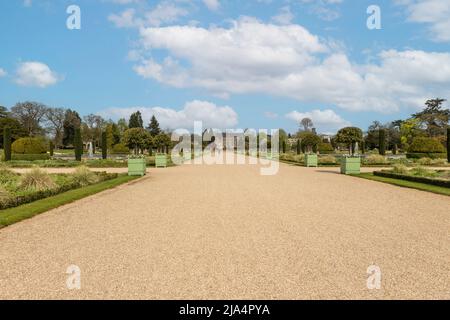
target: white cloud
213 116
163 13
285 16
325 9
3 73
212 5
435 13
35 74
289 61
324 120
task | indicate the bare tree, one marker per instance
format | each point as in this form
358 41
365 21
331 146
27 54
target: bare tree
307 124
30 115
55 118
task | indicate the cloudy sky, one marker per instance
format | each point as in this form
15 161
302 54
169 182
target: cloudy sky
232 64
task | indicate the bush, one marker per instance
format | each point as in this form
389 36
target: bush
425 161
400 169
37 179
30 146
120 148
6 176
426 155
325 148
327 160
375 159
84 177
30 157
422 172
426 145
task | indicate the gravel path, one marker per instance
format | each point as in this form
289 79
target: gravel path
225 232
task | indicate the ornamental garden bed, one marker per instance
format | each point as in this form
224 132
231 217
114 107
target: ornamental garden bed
440 178
18 189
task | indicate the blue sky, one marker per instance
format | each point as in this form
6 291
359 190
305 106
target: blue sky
261 64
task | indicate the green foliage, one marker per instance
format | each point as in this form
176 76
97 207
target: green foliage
400 169
325 148
7 143
136 120
37 179
448 144
426 145
382 142
72 121
350 136
434 117
374 159
299 147
30 157
423 172
327 160
120 148
137 139
52 148
83 176
153 127
309 140
78 143
29 146
104 145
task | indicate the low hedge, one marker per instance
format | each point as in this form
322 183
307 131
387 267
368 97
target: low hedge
430 155
28 157
12 202
434 182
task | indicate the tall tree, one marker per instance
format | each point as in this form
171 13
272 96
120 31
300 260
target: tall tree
78 143
434 118
72 121
30 115
153 127
448 144
136 120
307 124
382 142
56 118
350 136
7 143
3 112
92 128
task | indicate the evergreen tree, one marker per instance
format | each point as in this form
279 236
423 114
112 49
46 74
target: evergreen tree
382 143
448 144
153 127
71 122
78 143
7 143
104 145
136 120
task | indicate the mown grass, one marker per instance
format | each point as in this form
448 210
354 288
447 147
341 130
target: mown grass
406 184
14 215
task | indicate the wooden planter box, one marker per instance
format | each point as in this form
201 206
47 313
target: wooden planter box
351 165
137 167
161 160
311 160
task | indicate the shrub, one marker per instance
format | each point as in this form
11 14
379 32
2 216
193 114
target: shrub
426 155
30 157
84 177
328 160
6 175
300 158
426 145
120 148
439 162
325 148
382 142
78 144
400 169
375 159
422 172
425 161
37 179
435 182
29 146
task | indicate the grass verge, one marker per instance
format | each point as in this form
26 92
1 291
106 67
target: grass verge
406 184
14 215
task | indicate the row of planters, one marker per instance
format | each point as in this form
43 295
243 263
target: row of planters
18 189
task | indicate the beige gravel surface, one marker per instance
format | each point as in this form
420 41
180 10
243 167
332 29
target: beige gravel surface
226 232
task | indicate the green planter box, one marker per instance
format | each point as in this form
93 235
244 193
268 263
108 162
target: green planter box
161 160
351 165
311 160
137 167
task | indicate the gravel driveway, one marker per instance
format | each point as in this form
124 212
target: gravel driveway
225 232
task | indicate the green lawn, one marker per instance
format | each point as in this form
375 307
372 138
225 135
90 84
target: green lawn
13 215
406 184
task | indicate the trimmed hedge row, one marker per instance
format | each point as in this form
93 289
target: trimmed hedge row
38 195
28 157
430 155
434 182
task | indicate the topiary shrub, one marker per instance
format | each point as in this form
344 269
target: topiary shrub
325 148
382 142
7 143
448 144
426 145
29 146
78 142
120 148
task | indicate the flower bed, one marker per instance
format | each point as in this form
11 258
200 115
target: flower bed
17 189
420 175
